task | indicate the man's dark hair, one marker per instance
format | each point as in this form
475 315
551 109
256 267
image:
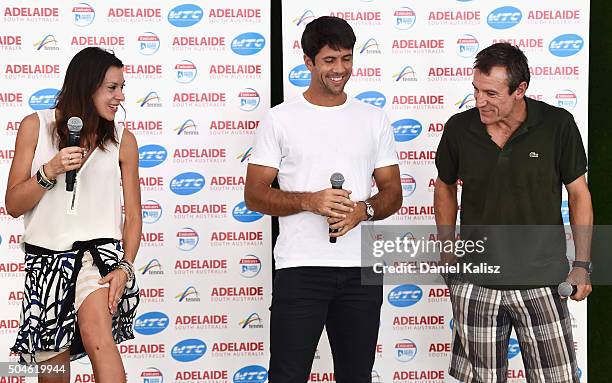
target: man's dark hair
507 56
327 30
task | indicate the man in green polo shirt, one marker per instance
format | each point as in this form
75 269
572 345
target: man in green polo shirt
512 155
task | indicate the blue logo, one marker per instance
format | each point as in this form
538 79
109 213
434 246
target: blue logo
188 350
300 76
148 43
151 323
83 14
250 266
504 17
567 99
405 350
187 238
186 71
405 295
406 130
152 375
565 212
373 98
408 185
151 155
467 46
248 43
251 374
43 99
151 211
185 15
566 45
242 214
451 323
404 18
187 183
513 348
249 99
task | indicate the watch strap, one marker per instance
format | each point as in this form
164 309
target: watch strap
583 264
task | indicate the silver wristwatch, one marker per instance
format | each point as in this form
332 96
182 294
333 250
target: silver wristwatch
369 210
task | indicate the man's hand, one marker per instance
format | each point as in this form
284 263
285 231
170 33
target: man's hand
580 278
332 203
350 220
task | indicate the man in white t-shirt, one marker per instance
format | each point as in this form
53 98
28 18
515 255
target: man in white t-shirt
302 142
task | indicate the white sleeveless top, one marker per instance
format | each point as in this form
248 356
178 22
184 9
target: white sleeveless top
92 211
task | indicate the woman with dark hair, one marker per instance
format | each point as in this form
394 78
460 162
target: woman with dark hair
80 293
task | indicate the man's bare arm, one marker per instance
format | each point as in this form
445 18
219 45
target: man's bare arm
445 208
261 197
387 201
581 219
389 198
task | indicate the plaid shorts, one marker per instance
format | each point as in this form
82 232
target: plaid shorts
483 319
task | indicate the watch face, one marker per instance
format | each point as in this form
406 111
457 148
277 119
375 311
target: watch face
370 211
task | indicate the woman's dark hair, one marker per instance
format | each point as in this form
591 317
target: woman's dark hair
84 76
507 56
327 30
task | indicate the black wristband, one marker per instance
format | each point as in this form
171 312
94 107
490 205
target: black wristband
43 181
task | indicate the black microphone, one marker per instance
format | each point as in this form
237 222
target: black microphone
566 289
336 179
75 124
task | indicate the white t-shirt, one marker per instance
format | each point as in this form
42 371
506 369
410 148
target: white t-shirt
307 143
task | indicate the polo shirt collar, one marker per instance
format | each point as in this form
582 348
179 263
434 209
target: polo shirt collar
534 116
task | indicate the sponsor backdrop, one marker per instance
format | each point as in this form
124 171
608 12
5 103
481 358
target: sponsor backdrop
414 60
197 82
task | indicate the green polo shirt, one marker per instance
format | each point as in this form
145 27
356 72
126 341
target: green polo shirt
518 185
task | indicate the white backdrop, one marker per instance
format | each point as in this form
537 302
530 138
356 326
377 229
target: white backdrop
414 59
197 81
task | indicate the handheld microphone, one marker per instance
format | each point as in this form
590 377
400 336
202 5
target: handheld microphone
336 179
75 124
566 289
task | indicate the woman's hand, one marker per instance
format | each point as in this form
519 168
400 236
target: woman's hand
116 280
70 158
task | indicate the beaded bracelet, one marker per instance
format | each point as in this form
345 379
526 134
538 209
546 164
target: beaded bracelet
127 268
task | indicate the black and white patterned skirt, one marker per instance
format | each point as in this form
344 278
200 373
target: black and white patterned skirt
48 323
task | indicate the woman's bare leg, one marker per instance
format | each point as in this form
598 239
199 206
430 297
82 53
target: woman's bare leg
59 363
95 323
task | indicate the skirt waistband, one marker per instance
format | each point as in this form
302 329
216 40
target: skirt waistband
77 246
